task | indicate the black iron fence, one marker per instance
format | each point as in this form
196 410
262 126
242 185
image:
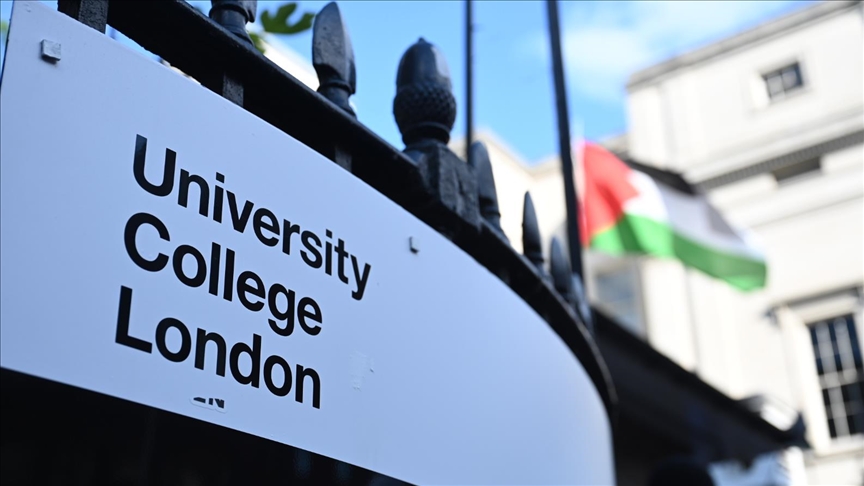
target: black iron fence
427 179
455 197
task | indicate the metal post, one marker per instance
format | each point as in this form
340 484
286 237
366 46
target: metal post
233 15
573 241
469 80
92 13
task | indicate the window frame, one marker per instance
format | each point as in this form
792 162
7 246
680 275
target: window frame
779 72
826 347
758 96
788 174
621 264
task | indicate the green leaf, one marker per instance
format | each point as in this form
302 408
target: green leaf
305 23
4 27
257 41
279 23
276 22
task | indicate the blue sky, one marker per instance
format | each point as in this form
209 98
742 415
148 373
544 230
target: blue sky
604 42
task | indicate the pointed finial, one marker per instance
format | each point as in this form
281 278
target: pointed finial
583 308
559 268
487 196
234 15
531 245
424 107
333 57
568 284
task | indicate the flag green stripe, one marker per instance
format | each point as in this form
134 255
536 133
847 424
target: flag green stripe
638 234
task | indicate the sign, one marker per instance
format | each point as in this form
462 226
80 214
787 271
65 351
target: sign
161 245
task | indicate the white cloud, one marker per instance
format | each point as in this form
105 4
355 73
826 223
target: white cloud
605 42
599 59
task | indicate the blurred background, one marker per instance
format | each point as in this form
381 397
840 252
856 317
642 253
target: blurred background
758 107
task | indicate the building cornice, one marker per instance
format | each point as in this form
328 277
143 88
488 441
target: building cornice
766 30
784 160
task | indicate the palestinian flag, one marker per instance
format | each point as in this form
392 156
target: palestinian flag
631 208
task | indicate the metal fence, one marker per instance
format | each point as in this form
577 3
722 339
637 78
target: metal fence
455 197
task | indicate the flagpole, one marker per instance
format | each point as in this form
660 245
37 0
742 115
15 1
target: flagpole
578 160
469 80
572 203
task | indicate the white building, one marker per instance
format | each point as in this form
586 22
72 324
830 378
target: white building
290 61
293 63
770 124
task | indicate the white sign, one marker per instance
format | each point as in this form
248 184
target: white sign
161 245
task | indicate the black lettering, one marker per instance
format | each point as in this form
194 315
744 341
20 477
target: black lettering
255 354
288 230
185 340
200 270
215 255
167 185
285 389
328 254
201 348
229 275
287 315
301 374
243 288
203 191
360 279
122 335
340 250
314 315
129 234
306 237
218 197
258 224
239 220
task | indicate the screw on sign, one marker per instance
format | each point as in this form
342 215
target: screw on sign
51 51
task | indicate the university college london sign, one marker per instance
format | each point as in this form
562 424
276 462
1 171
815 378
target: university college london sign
161 245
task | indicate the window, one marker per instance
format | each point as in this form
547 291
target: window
618 294
783 81
841 374
797 171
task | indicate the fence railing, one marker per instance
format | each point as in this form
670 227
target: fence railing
427 179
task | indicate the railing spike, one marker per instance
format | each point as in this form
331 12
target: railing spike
531 241
333 57
559 268
568 284
486 193
583 307
234 15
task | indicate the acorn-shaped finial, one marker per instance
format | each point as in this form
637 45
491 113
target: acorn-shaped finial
234 15
424 107
333 57
531 244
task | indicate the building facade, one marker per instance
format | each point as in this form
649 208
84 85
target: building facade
770 125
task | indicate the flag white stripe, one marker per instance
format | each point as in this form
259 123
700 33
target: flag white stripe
689 216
